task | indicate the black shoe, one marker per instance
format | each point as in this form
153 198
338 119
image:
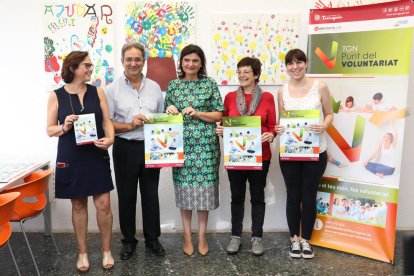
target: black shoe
127 251
156 247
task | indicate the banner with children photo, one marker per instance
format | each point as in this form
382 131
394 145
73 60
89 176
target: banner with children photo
163 140
242 144
297 142
363 54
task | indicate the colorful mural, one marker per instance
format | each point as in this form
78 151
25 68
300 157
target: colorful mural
164 28
265 36
75 26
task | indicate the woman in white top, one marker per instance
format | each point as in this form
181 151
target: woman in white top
385 152
302 177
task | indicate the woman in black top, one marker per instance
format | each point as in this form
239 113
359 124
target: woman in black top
82 170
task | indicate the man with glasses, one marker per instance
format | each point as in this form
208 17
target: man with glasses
129 98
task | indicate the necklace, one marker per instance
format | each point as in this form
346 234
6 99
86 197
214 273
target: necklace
71 104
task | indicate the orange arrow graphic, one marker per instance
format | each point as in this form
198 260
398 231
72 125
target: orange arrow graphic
351 152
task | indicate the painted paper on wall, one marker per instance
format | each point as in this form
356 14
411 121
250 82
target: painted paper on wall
265 36
164 28
78 26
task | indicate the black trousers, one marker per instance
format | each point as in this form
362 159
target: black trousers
257 184
129 167
302 180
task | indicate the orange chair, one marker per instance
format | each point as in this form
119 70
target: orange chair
31 203
7 202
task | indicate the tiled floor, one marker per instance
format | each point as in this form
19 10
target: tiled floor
275 260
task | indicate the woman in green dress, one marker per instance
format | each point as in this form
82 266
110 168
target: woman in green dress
197 97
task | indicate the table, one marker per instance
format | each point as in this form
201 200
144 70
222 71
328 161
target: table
14 173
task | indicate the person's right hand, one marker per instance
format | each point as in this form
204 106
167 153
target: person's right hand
172 110
365 164
219 130
69 120
138 121
279 129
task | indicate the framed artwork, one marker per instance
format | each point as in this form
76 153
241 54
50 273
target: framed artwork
264 36
78 26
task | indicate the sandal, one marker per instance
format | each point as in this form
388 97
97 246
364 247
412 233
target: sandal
107 260
83 263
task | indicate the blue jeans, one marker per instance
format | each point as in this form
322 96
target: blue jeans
379 168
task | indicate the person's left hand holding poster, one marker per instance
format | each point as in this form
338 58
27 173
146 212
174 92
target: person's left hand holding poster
78 26
163 140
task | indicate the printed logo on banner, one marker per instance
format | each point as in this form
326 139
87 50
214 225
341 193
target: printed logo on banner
331 61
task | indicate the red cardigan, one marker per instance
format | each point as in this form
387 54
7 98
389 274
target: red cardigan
266 110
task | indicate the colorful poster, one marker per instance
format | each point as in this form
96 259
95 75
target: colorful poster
356 218
163 140
78 26
242 143
265 36
85 129
164 28
350 49
298 142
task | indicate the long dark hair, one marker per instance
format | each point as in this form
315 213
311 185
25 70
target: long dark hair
192 49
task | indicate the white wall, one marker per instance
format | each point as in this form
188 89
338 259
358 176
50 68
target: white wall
23 116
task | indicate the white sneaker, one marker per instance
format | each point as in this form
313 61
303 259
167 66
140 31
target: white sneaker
294 250
257 246
234 245
307 251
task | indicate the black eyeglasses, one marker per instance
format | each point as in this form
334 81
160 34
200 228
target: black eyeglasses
88 65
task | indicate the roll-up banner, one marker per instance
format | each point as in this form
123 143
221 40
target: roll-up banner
363 54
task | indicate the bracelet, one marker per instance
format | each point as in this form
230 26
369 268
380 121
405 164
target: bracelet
63 130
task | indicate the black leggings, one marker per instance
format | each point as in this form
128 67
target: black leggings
302 180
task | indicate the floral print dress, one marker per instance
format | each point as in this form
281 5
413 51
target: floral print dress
196 184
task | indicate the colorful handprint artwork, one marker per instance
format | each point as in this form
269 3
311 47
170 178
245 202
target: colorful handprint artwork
74 26
264 36
164 28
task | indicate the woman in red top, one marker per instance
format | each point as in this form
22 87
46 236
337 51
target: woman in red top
249 100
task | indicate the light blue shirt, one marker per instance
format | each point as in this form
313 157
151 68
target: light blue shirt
124 102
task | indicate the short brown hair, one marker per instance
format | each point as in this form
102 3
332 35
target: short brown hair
130 45
254 63
378 96
71 63
350 99
188 50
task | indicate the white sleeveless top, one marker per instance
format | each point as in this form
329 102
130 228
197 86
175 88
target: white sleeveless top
388 156
311 101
